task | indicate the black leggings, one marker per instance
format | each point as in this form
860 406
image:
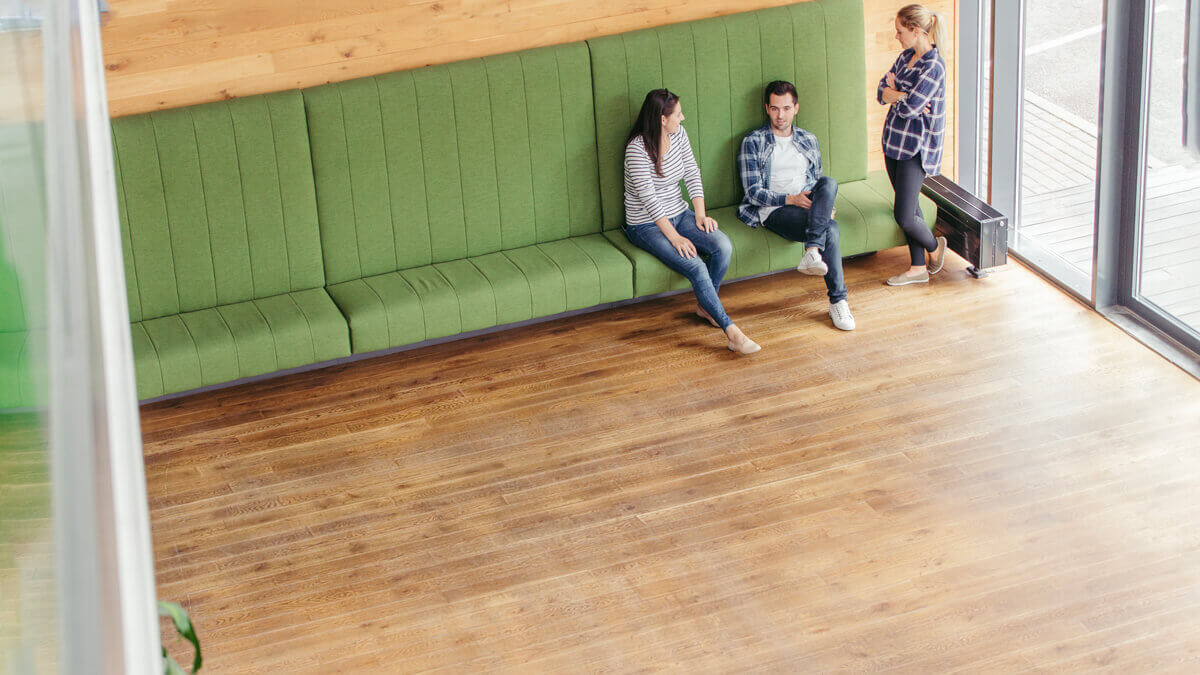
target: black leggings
907 175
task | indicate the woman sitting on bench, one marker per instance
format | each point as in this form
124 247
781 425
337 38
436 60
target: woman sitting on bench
658 220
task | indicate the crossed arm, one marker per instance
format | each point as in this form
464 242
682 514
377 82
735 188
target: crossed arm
913 103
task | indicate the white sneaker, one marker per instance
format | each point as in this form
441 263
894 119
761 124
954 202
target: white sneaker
812 264
840 312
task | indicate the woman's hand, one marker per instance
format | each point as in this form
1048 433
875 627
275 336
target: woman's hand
891 95
683 246
706 223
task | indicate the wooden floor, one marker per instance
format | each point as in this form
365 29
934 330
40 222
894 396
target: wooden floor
1059 202
984 476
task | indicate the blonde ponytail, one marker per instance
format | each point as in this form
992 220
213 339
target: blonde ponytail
916 16
937 32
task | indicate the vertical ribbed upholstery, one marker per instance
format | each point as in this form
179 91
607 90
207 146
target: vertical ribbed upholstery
217 204
719 67
462 196
222 249
453 161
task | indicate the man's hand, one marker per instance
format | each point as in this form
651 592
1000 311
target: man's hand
684 246
891 96
803 200
890 78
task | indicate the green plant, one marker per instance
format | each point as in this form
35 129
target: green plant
183 625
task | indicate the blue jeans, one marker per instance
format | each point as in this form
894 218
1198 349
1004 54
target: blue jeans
705 277
815 227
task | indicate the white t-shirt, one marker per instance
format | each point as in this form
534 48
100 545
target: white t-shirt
789 171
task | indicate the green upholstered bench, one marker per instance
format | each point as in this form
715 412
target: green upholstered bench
719 68
288 229
222 253
459 197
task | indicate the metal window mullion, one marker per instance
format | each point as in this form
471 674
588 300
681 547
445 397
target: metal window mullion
1004 119
1121 152
971 61
105 572
116 381
1121 179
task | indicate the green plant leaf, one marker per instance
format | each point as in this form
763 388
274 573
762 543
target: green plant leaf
170 667
183 625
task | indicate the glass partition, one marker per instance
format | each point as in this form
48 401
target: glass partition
28 592
1168 251
1059 136
76 574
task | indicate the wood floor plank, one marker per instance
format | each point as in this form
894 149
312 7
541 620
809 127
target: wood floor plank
984 476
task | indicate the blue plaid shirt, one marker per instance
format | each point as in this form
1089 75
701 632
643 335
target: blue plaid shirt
908 129
754 164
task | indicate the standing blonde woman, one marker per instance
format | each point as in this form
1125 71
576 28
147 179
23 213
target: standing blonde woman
913 132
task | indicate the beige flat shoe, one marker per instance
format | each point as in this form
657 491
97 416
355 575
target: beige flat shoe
938 257
747 347
904 279
708 318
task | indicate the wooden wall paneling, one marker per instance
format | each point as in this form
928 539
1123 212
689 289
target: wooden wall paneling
169 53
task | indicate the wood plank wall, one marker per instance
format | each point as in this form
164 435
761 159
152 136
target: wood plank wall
169 53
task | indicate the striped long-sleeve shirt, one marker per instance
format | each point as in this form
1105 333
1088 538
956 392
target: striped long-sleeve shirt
649 196
908 129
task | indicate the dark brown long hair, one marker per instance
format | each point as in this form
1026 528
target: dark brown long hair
658 102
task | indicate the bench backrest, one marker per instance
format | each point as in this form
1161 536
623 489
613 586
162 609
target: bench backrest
456 160
216 204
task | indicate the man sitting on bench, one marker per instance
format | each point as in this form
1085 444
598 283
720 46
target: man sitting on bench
785 191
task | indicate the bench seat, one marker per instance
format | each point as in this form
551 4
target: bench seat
432 301
219 344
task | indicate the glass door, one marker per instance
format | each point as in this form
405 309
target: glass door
1090 105
1167 277
1058 136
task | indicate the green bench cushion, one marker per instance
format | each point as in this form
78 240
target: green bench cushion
454 161
864 216
719 68
217 204
210 346
432 301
